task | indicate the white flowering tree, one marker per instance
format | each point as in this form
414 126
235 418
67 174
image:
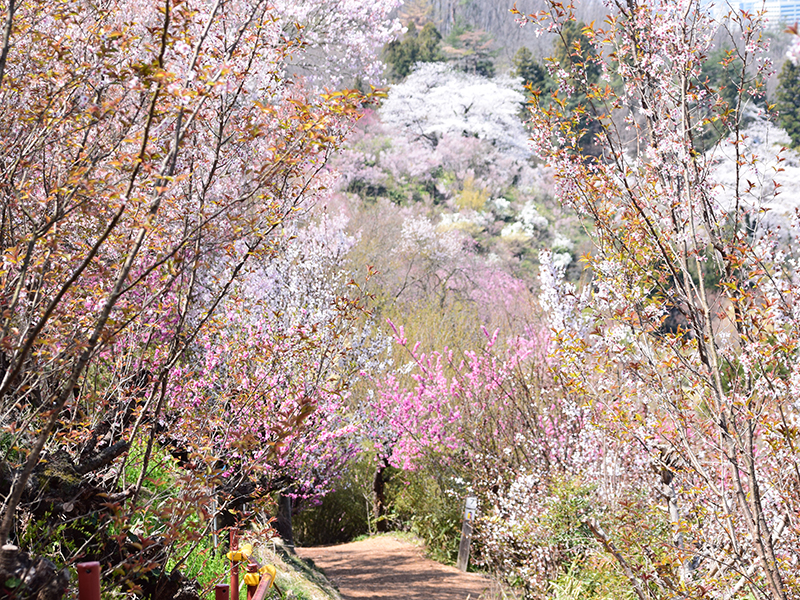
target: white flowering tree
341 39
283 352
436 100
152 151
686 342
459 141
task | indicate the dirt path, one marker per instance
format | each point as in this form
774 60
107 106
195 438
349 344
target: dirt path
384 568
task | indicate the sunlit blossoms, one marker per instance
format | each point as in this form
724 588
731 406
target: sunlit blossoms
682 355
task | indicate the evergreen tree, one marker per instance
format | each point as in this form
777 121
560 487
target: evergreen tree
470 50
573 53
430 44
532 72
721 72
788 100
416 46
721 76
574 49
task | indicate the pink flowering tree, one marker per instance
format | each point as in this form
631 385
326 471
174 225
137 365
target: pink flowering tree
497 420
152 153
268 380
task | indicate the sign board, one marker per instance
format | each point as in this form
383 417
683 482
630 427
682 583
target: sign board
471 508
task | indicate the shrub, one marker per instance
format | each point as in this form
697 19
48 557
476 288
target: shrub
341 515
429 505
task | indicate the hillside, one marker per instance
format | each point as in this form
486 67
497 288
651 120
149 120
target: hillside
494 17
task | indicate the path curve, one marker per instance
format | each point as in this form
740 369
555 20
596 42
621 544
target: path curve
385 568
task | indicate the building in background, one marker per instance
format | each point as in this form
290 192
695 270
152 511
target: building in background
779 13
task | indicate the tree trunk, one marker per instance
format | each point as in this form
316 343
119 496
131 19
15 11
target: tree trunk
379 493
283 520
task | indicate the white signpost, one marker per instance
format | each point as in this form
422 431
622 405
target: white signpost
470 510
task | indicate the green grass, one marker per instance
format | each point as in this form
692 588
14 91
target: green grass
205 565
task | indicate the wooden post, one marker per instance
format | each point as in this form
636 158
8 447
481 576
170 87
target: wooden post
214 533
470 509
234 590
88 580
251 589
222 591
267 581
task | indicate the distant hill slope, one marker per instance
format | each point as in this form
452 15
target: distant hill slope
493 16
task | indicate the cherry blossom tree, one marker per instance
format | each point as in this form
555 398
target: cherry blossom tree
152 152
472 167
270 378
342 38
495 418
436 100
686 337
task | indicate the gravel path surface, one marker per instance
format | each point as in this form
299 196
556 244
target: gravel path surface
384 568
